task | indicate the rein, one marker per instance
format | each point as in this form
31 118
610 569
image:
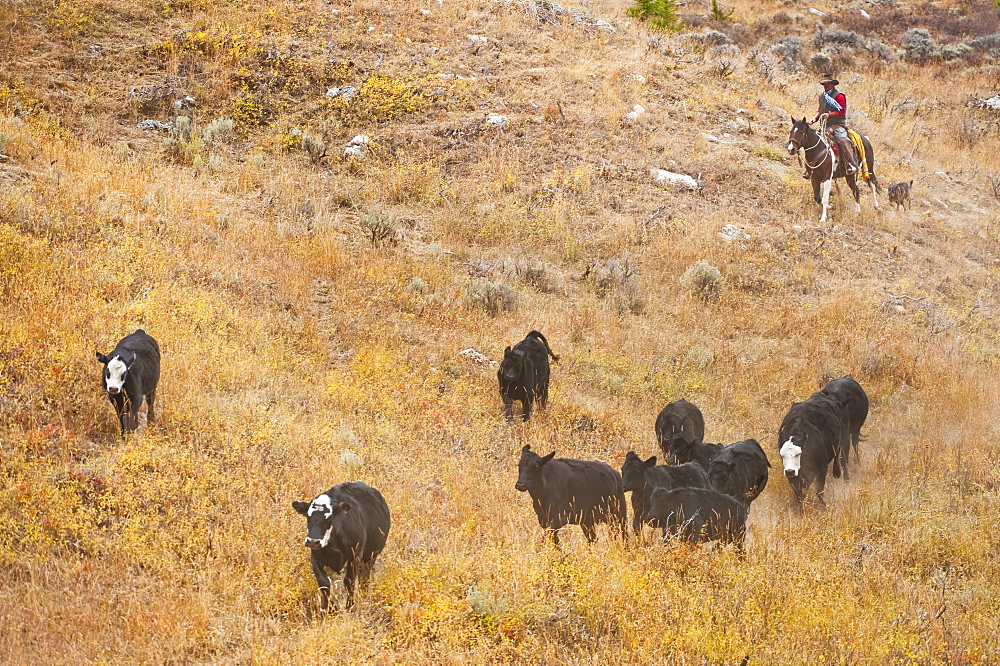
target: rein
826 151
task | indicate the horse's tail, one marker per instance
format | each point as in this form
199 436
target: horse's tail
870 159
874 181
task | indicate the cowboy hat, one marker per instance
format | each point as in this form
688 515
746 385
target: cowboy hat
829 79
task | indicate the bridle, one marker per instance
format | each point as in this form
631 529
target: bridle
819 140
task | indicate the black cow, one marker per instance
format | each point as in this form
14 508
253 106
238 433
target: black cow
524 374
347 528
679 418
740 470
567 491
681 450
810 438
642 477
699 514
131 373
853 401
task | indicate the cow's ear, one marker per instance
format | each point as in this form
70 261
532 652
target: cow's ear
547 458
301 507
507 350
650 462
526 448
102 358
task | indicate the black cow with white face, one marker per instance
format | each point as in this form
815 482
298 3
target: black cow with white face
131 373
810 438
740 470
642 477
853 401
679 418
524 374
567 491
347 529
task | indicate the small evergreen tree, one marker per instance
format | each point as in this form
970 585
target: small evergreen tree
662 14
718 15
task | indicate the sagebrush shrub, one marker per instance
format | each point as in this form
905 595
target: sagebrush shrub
919 45
493 297
703 279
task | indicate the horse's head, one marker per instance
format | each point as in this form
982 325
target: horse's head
801 136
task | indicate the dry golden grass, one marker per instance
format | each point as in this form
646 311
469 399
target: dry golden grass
291 332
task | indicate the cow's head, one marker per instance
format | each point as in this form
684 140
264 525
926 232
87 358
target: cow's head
719 473
791 457
634 471
115 371
321 514
513 363
529 469
680 448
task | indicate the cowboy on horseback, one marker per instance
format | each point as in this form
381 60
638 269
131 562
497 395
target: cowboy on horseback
833 110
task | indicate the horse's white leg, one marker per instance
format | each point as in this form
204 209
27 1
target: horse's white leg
826 199
871 184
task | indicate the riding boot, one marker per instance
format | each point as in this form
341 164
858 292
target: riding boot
847 154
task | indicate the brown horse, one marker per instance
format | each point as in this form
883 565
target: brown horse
823 165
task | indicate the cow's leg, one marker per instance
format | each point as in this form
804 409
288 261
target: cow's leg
508 406
527 407
589 531
324 584
821 488
351 572
798 490
150 399
133 412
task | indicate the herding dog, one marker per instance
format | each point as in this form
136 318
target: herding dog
899 194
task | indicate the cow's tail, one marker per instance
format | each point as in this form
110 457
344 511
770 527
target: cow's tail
539 336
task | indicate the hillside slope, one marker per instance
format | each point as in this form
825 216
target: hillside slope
311 303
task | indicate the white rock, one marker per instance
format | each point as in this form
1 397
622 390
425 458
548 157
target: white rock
425 12
477 39
865 14
347 92
639 77
154 125
711 138
731 233
671 178
635 113
359 140
816 12
475 356
741 110
942 175
992 103
496 120
354 152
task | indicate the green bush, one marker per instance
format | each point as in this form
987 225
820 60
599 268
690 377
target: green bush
662 14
